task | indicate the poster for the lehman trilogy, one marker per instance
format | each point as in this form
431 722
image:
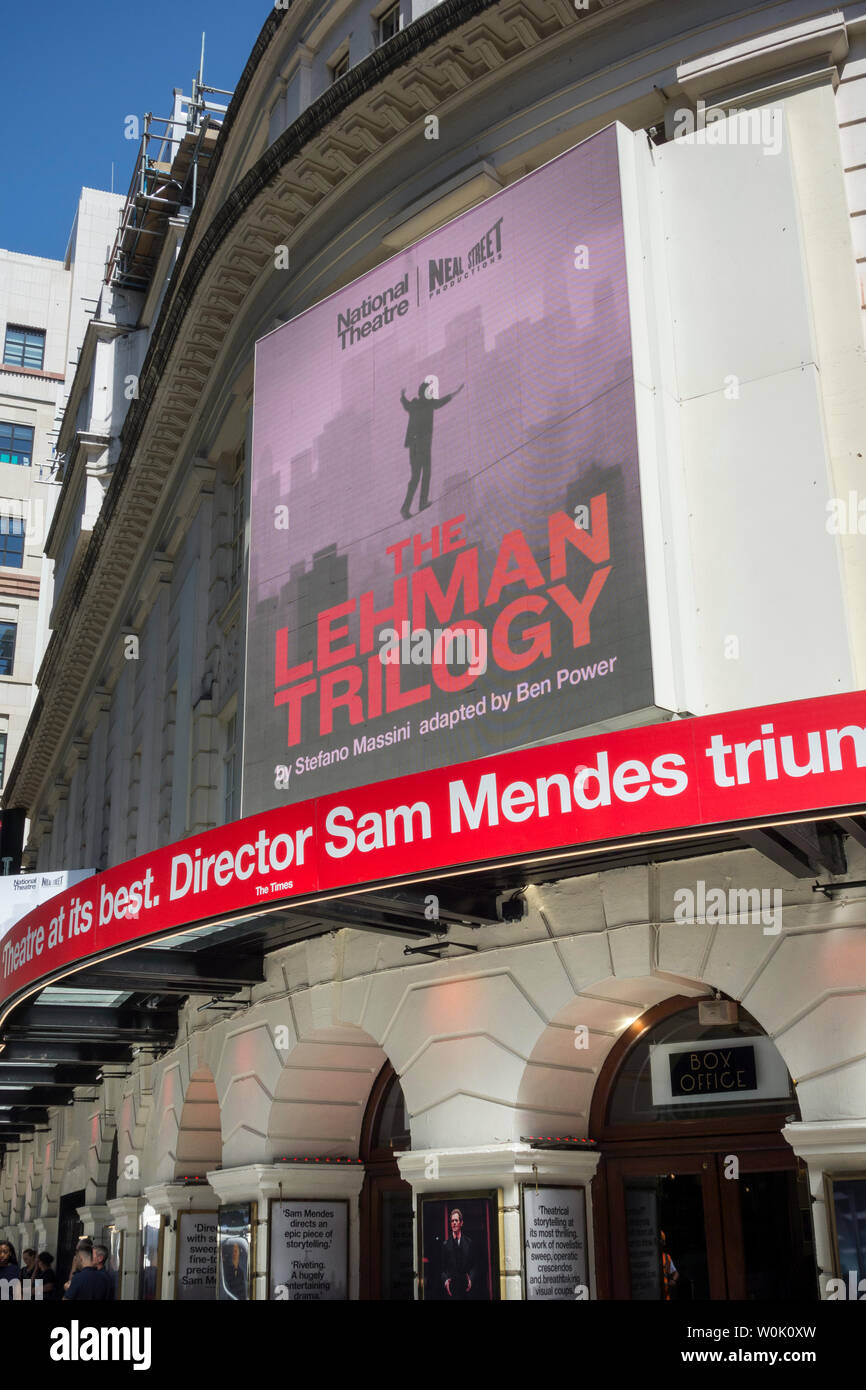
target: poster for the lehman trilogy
446 554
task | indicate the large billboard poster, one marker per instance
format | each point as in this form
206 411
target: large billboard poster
446 553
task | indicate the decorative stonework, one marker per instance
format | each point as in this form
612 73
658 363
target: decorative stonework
352 126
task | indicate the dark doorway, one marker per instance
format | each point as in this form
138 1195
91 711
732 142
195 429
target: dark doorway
69 1231
705 1200
387 1233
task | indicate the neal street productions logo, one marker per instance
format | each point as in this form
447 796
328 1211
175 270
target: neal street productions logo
450 270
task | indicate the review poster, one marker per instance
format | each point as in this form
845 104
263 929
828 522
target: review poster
554 1243
309 1251
446 553
195 1266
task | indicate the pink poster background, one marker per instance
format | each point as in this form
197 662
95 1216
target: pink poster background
544 422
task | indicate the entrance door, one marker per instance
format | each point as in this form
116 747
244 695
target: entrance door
69 1231
387 1234
686 1228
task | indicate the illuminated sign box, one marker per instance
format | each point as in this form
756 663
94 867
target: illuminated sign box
715 1071
446 555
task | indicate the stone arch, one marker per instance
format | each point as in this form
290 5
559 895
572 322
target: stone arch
33 1184
103 1127
559 1078
271 1075
134 1116
58 1154
190 1133
185 1133
321 1096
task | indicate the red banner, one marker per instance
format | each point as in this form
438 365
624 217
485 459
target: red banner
807 756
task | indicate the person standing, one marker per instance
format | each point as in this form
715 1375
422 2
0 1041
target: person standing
419 441
88 1282
100 1263
458 1261
8 1261
46 1272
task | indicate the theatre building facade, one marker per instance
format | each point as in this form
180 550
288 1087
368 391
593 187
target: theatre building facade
456 681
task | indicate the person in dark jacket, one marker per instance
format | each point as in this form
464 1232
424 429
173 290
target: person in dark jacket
88 1282
458 1261
419 441
46 1272
8 1261
100 1262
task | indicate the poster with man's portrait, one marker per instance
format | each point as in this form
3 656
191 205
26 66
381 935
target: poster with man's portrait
459 1248
236 1257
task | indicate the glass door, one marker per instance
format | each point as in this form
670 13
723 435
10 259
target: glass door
666 1229
767 1223
685 1229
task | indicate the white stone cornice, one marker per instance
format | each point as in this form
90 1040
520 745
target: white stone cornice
495 1165
261 1182
169 1198
125 1212
839 1146
821 41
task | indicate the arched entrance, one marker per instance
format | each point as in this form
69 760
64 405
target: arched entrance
698 1195
387 1245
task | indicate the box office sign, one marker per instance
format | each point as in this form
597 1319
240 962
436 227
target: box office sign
309 1251
717 1071
501 597
195 1263
554 1243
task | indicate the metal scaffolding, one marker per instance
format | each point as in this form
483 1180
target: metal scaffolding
172 156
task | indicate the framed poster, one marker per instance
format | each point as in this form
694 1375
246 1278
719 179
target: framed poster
112 1239
644 1243
554 1242
459 1247
236 1238
195 1257
308 1250
846 1202
150 1225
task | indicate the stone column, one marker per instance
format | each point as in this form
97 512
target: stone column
835 1148
124 1215
170 1199
93 1219
505 1168
292 1182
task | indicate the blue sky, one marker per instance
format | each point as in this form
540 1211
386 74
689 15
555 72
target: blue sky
73 71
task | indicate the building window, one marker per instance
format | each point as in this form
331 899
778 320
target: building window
3 738
16 444
237 525
389 24
12 542
25 347
340 66
229 769
8 632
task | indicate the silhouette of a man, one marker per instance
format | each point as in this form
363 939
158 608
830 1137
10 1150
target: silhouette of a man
419 442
